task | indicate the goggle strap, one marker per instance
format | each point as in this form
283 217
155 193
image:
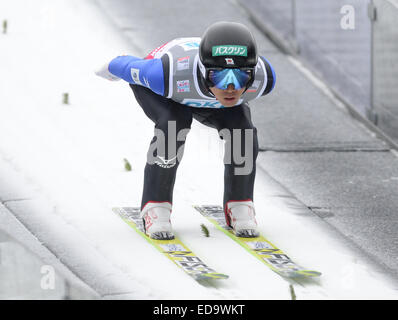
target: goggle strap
202 68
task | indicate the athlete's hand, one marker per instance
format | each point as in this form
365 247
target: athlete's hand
104 73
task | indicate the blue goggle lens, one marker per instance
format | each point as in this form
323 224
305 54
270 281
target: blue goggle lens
223 78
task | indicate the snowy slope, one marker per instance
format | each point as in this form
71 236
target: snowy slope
72 155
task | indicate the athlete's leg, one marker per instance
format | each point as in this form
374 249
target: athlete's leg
172 122
235 126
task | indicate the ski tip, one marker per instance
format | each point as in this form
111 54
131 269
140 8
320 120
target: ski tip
302 274
311 273
209 276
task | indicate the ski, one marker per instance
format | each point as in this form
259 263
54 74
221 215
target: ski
259 247
173 249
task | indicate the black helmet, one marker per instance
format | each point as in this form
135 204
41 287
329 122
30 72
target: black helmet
227 45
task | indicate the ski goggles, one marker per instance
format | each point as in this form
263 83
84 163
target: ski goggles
222 78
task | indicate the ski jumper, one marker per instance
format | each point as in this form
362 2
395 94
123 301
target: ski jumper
169 87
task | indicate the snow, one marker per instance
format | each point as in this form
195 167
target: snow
72 155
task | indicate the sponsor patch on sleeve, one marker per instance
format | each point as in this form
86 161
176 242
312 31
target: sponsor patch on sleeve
135 75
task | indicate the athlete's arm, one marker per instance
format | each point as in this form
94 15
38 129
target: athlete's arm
148 73
270 74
